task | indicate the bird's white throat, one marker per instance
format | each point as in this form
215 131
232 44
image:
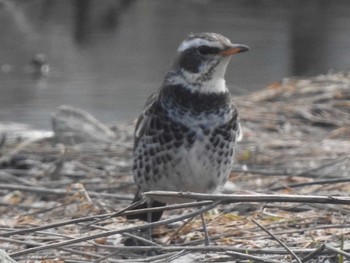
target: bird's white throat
214 85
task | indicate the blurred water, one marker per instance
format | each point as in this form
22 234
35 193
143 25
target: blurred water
107 56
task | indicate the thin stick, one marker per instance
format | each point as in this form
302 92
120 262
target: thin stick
338 251
178 230
251 257
118 213
171 257
314 253
278 240
90 218
5 176
113 232
106 256
328 181
214 248
59 192
328 164
21 146
230 198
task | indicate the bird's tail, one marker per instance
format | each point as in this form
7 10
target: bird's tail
154 216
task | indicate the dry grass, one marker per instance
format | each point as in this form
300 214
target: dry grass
60 202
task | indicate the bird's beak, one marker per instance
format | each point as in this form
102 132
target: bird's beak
233 49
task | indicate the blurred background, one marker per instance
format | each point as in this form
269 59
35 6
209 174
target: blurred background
108 56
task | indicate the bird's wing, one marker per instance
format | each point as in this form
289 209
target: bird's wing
239 132
145 118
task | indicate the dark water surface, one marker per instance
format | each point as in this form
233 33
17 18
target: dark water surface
107 56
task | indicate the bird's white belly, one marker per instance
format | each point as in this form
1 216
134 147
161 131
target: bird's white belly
195 170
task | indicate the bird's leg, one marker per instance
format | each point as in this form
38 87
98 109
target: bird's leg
205 230
149 220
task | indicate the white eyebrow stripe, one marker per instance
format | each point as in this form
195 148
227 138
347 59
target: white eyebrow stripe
196 42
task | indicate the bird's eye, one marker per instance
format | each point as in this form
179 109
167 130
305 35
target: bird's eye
206 50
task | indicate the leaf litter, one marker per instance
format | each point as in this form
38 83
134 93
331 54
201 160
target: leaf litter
60 193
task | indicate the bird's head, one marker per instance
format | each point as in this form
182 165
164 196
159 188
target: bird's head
202 61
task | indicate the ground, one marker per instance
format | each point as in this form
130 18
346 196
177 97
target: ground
59 192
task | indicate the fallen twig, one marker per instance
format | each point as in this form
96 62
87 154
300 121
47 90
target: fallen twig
103 216
214 248
321 182
338 251
278 240
113 232
230 198
314 253
251 257
21 146
59 192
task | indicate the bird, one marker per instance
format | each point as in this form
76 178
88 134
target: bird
186 136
